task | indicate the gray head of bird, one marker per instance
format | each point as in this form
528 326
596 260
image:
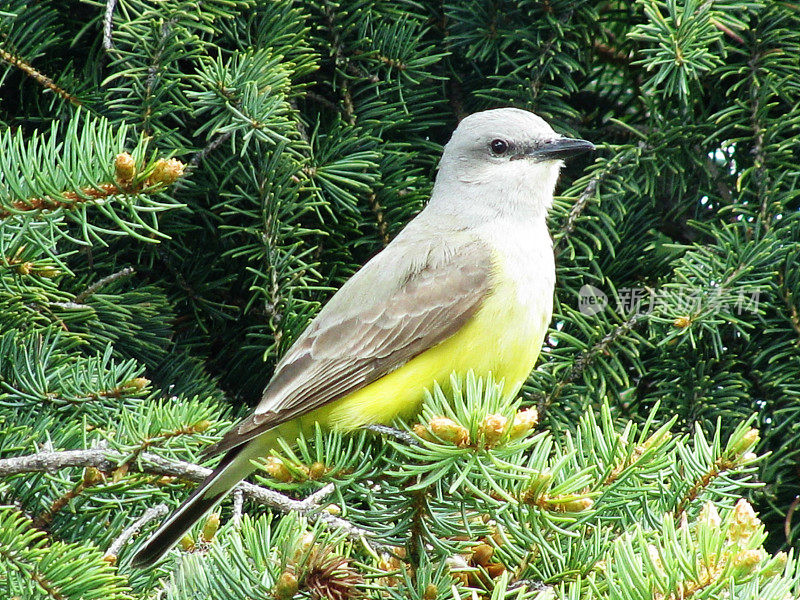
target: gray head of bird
505 157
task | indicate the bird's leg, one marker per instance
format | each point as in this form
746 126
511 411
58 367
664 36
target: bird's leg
401 436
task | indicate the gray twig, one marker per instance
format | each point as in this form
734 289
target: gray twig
108 23
151 514
108 460
100 283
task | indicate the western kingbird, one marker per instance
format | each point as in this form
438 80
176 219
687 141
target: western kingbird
467 285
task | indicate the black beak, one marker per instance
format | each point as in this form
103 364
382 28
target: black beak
558 149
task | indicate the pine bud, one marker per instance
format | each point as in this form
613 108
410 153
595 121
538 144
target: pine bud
492 428
710 516
775 566
277 470
540 483
682 322
136 384
187 543
744 523
210 528
748 457
48 272
422 432
745 562
524 422
91 476
304 546
743 444
119 473
389 563
482 554
166 172
495 570
459 569
317 470
24 268
449 431
202 426
125 168
577 505
431 592
654 439
286 586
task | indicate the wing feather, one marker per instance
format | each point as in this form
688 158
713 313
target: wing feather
339 354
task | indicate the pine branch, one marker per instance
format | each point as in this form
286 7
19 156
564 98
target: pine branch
610 167
788 298
611 55
383 226
586 359
108 24
106 460
158 511
340 61
727 31
101 283
759 155
40 78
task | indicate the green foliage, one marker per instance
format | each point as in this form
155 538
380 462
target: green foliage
144 302
34 568
482 501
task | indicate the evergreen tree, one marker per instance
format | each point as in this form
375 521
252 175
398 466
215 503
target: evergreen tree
183 185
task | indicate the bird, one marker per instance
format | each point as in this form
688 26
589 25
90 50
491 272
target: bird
467 285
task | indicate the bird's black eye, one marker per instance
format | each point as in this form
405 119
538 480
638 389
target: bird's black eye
499 146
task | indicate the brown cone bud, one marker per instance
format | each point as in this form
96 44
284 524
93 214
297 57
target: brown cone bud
493 427
482 554
137 383
682 322
125 168
92 475
277 470
286 586
431 592
525 421
449 431
744 522
317 470
166 172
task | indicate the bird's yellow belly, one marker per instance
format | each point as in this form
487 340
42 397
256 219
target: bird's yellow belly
503 338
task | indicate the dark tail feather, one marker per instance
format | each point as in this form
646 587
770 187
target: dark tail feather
227 474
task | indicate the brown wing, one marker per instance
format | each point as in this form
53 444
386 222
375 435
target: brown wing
339 354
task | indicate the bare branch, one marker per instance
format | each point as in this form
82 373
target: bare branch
238 507
108 460
108 21
101 283
151 514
